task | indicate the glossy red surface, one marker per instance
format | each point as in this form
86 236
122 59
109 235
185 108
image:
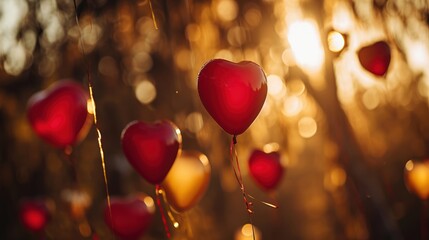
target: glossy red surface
151 148
232 93
59 114
131 217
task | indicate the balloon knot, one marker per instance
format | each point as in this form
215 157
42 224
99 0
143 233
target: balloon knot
234 139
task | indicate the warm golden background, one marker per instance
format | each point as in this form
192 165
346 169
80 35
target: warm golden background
344 134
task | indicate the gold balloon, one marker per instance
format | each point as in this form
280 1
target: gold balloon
246 233
417 178
187 180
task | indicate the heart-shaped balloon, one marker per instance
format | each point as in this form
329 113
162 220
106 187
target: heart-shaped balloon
34 215
266 168
375 58
151 148
187 180
131 216
232 93
417 177
59 114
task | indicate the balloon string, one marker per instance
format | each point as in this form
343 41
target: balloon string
263 202
188 226
68 152
238 176
153 15
100 145
168 209
234 155
158 192
237 172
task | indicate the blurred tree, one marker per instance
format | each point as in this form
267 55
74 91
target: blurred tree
344 133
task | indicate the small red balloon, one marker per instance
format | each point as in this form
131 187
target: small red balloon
59 114
131 217
375 58
151 148
266 168
34 215
232 93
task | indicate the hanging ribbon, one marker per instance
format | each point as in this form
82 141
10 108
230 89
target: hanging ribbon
160 193
90 84
237 172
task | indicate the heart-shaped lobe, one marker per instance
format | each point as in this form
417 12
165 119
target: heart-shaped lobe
265 168
131 217
59 114
187 180
232 93
417 178
151 148
375 58
34 215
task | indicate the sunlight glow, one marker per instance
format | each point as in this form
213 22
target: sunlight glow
292 106
307 127
371 99
145 92
336 41
409 165
342 17
338 176
15 59
227 10
246 233
276 87
304 39
418 55
246 230
417 178
271 147
194 122
13 52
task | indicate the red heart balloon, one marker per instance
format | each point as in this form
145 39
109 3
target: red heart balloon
151 148
375 58
131 217
232 93
266 168
34 215
59 114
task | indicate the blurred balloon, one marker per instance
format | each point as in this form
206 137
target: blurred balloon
248 232
78 202
265 168
151 148
187 180
417 177
232 93
59 114
131 216
34 214
375 58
